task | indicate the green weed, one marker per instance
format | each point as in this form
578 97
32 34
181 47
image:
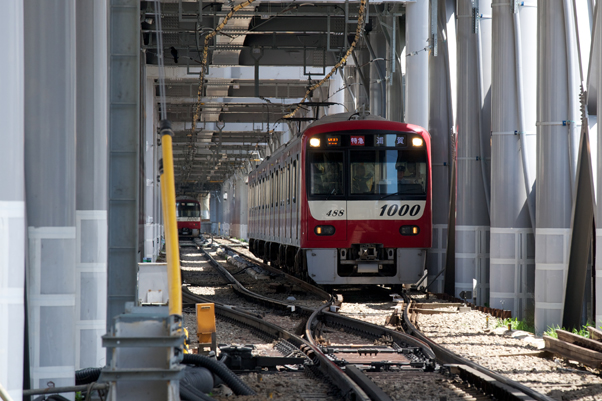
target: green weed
516 324
583 332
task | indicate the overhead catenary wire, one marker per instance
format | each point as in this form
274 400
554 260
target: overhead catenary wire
160 59
192 150
343 60
197 111
210 36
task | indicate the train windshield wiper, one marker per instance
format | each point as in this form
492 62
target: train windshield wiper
395 193
333 192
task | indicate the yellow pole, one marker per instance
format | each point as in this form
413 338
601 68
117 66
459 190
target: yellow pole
166 226
168 189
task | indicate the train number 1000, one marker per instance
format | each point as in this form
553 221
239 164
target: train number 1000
394 209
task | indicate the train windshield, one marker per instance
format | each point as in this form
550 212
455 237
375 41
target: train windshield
388 172
188 209
326 173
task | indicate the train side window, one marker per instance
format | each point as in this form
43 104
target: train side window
288 184
294 181
272 190
282 186
277 194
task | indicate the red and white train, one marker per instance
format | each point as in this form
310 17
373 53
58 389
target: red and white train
188 214
347 202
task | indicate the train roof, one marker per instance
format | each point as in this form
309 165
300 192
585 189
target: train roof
335 118
186 198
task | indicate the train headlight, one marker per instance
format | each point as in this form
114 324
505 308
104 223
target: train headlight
409 230
417 141
324 230
314 142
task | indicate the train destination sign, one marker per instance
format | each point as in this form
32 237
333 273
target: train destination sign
401 141
397 140
357 140
333 140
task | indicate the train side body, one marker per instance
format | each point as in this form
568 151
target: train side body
323 222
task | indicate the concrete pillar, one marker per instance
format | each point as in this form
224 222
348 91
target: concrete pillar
378 71
598 267
336 94
217 211
91 198
158 206
150 186
238 206
205 201
442 80
513 111
50 71
362 79
417 88
553 186
225 211
12 201
124 155
394 87
472 218
348 76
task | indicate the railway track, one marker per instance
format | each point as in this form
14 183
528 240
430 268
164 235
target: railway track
477 375
385 356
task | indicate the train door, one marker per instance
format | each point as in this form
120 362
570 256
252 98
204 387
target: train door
262 214
277 208
272 186
287 224
281 196
295 201
280 205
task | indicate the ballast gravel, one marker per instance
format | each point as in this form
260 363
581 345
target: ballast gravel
467 335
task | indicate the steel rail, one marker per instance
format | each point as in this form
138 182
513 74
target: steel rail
375 331
341 376
366 330
240 289
355 385
297 281
349 389
448 357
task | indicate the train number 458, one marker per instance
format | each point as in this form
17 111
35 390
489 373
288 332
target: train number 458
394 209
335 212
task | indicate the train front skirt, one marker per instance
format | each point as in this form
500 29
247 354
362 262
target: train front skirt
324 266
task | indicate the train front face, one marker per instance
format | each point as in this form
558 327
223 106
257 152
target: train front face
188 214
366 215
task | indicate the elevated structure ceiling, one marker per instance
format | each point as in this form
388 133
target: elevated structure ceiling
288 45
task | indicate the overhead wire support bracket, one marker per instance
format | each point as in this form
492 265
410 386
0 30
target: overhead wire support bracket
257 54
434 33
305 62
358 34
181 12
475 16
